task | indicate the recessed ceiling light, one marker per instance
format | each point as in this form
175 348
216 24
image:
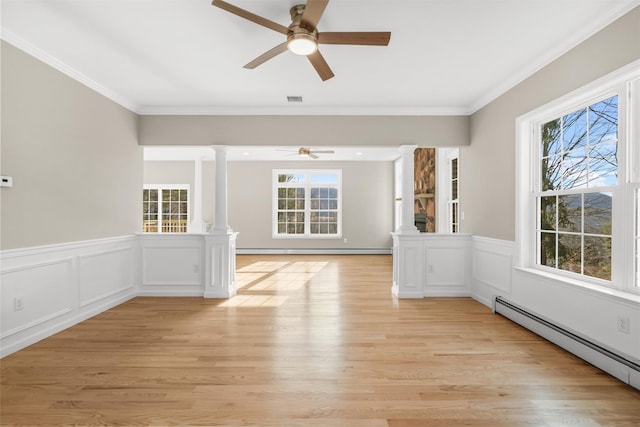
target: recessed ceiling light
245 153
358 153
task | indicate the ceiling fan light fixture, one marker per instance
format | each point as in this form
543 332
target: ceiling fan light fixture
302 44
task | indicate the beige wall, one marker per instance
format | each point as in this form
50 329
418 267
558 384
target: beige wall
182 172
430 131
367 197
367 200
73 156
487 166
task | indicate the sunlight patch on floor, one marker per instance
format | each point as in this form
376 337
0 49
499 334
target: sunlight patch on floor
244 279
263 267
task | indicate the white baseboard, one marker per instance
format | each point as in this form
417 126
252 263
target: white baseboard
310 251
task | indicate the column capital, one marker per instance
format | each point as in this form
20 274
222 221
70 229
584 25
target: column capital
217 148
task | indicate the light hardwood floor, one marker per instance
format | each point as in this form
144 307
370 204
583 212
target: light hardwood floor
308 341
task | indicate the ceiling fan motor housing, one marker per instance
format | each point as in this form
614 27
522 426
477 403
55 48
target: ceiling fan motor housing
301 40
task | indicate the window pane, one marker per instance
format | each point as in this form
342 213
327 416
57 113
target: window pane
333 228
454 189
145 195
333 193
569 252
153 195
548 249
597 213
281 217
333 204
548 213
551 173
315 204
574 130
603 121
300 228
570 213
282 228
291 178
454 169
597 257
324 178
166 195
575 169
315 227
550 133
282 204
603 165
145 207
175 195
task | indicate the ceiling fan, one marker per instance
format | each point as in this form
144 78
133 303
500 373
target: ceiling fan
303 36
308 152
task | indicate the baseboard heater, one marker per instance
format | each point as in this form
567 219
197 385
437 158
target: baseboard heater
616 365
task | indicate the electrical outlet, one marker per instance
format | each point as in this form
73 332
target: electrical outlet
623 324
18 303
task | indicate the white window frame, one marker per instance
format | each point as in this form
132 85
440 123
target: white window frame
444 195
307 209
626 83
161 187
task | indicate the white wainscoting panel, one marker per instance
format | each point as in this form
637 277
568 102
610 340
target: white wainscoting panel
492 269
172 265
103 274
431 265
62 285
48 294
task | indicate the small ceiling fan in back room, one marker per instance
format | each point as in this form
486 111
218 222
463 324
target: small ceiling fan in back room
303 36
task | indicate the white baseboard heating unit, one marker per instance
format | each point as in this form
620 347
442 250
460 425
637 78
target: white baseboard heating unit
616 365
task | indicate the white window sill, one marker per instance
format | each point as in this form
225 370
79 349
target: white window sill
618 294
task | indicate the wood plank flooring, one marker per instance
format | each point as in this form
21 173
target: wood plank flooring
308 341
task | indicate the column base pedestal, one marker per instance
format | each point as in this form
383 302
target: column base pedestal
220 277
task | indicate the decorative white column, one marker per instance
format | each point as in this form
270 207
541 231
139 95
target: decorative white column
221 225
197 224
220 247
408 247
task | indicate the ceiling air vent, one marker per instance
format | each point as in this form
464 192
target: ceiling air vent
294 99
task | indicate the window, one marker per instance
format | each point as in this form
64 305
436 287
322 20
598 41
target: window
452 203
165 208
577 188
307 203
578 172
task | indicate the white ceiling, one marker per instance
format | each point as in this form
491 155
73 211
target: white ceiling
186 56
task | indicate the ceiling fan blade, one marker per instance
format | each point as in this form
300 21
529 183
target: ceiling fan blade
250 16
312 13
282 47
313 156
323 152
357 38
321 66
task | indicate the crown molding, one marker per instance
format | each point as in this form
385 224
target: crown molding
57 64
302 111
